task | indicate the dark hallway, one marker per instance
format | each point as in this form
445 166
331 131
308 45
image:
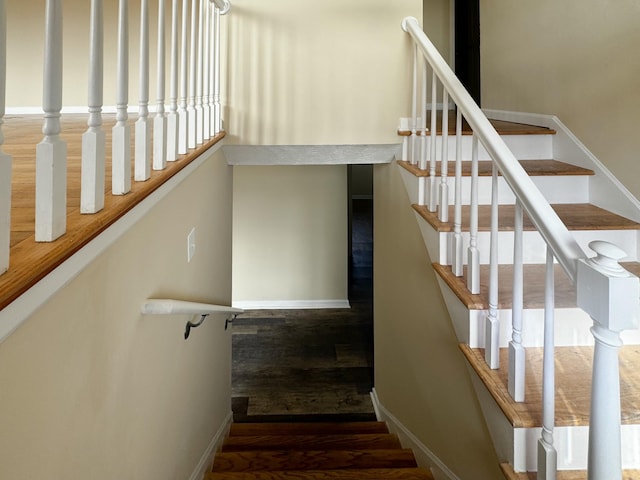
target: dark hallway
311 364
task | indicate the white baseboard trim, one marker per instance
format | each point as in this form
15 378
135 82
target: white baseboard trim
425 457
216 442
289 304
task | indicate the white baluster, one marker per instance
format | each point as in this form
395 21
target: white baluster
473 255
199 76
121 133
51 153
93 140
492 326
183 116
457 243
547 454
206 73
193 70
213 69
216 70
160 120
5 160
433 195
172 116
444 161
516 350
143 124
422 181
609 294
414 109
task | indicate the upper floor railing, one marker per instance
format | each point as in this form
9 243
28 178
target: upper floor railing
593 277
188 116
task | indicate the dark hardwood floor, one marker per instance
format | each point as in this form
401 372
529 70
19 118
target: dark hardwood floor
310 365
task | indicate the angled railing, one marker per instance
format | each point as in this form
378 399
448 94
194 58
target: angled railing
607 292
170 131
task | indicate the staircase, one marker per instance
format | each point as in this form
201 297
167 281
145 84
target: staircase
284 451
515 426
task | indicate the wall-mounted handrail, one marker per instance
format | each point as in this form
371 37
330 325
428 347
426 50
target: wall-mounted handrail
167 306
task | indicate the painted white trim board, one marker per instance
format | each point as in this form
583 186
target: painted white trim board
289 304
14 314
424 457
206 461
240 155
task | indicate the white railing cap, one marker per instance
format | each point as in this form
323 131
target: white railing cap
166 306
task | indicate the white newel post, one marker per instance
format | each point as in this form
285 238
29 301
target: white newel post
610 295
51 153
121 141
183 116
193 70
160 120
5 160
172 116
93 140
143 124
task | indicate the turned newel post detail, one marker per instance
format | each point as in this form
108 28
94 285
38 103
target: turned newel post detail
5 160
610 295
51 153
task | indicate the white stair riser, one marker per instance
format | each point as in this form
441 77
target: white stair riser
572 325
524 147
555 188
534 248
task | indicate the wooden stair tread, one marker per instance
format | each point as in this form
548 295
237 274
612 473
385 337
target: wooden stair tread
561 474
534 168
573 385
341 474
503 127
313 460
368 441
576 216
534 275
301 428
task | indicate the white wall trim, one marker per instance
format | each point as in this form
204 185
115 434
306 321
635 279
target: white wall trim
206 461
425 457
14 314
289 304
73 110
311 154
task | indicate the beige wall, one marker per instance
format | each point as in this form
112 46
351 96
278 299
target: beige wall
420 374
575 59
308 72
92 389
25 40
290 233
437 25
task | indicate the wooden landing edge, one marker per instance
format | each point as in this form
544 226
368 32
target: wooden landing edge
459 287
36 260
496 390
509 474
